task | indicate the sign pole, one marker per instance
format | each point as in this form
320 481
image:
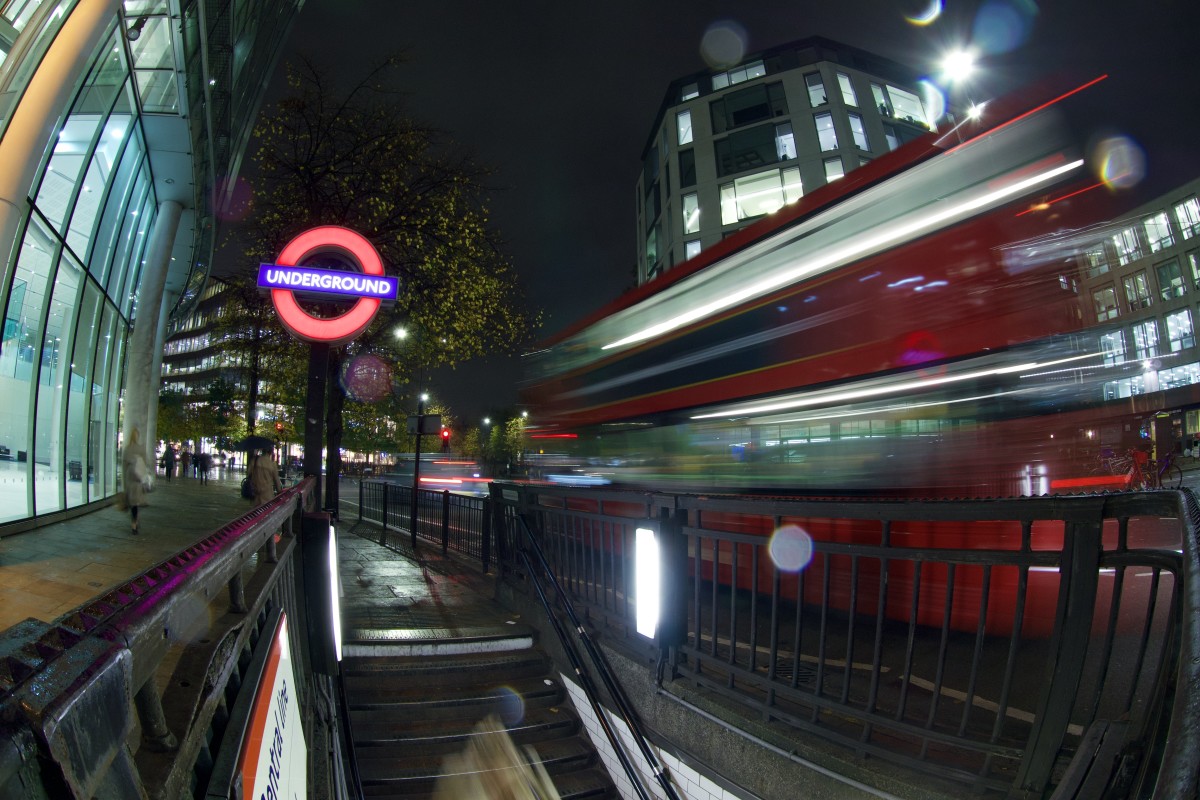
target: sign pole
412 519
314 411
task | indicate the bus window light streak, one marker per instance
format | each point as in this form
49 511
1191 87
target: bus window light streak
891 236
784 404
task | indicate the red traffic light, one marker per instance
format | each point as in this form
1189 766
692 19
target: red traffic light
445 434
278 426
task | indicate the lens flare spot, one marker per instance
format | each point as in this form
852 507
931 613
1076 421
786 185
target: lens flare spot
724 44
927 15
791 548
1120 161
511 707
367 378
934 99
1002 26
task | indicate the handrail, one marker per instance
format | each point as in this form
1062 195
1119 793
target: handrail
614 689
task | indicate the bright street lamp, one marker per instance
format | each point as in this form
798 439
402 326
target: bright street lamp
958 65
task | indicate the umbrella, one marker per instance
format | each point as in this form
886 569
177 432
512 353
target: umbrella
255 443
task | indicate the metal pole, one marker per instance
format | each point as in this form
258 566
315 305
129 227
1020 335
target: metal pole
412 519
314 413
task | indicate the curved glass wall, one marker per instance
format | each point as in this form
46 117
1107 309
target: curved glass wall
70 295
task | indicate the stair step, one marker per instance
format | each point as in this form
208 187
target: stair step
450 671
558 756
374 736
412 704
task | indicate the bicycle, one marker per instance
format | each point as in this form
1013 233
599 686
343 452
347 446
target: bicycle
1147 473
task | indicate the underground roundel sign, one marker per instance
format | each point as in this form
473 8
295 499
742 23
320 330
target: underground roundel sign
287 277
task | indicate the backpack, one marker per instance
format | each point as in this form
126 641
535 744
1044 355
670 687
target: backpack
247 489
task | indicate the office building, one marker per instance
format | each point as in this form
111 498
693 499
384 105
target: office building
730 146
122 131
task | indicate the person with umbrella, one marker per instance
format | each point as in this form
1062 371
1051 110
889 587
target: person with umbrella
263 477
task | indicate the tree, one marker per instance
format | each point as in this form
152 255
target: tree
354 158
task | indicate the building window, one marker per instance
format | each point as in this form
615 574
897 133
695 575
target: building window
1106 303
1170 280
1095 260
859 133
892 101
1158 231
785 142
1137 290
1145 339
889 136
1113 347
756 195
746 72
691 213
652 245
687 168
683 124
747 106
833 169
1187 214
816 89
844 84
826 135
1127 247
691 249
689 92
754 147
1192 259
1179 330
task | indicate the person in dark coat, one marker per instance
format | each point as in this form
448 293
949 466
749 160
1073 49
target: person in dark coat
203 465
169 460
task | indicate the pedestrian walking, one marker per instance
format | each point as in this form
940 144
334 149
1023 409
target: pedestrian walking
203 465
264 478
169 460
185 463
136 474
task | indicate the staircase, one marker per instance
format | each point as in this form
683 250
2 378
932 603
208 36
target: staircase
408 712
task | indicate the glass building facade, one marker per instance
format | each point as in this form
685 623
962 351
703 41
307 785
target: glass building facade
75 242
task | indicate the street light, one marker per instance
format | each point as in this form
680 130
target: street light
958 65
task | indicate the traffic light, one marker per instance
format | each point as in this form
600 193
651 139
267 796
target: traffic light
445 440
278 427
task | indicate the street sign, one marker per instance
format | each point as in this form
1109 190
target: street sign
430 424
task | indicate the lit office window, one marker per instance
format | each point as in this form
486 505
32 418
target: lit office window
1137 290
1145 339
889 136
1158 231
1192 259
1113 347
683 123
759 194
826 135
816 89
1170 280
1095 260
746 72
1105 300
692 249
1127 246
785 142
1179 330
1187 214
848 96
858 131
834 169
691 213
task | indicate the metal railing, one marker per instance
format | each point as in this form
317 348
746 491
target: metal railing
987 643
164 653
455 522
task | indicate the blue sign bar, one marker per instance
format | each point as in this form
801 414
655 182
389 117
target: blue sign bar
327 281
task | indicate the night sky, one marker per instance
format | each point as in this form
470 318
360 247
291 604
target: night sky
559 98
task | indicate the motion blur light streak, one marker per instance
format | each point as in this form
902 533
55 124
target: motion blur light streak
896 234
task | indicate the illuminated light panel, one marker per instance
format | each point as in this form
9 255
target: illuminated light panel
861 247
787 404
335 330
647 581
